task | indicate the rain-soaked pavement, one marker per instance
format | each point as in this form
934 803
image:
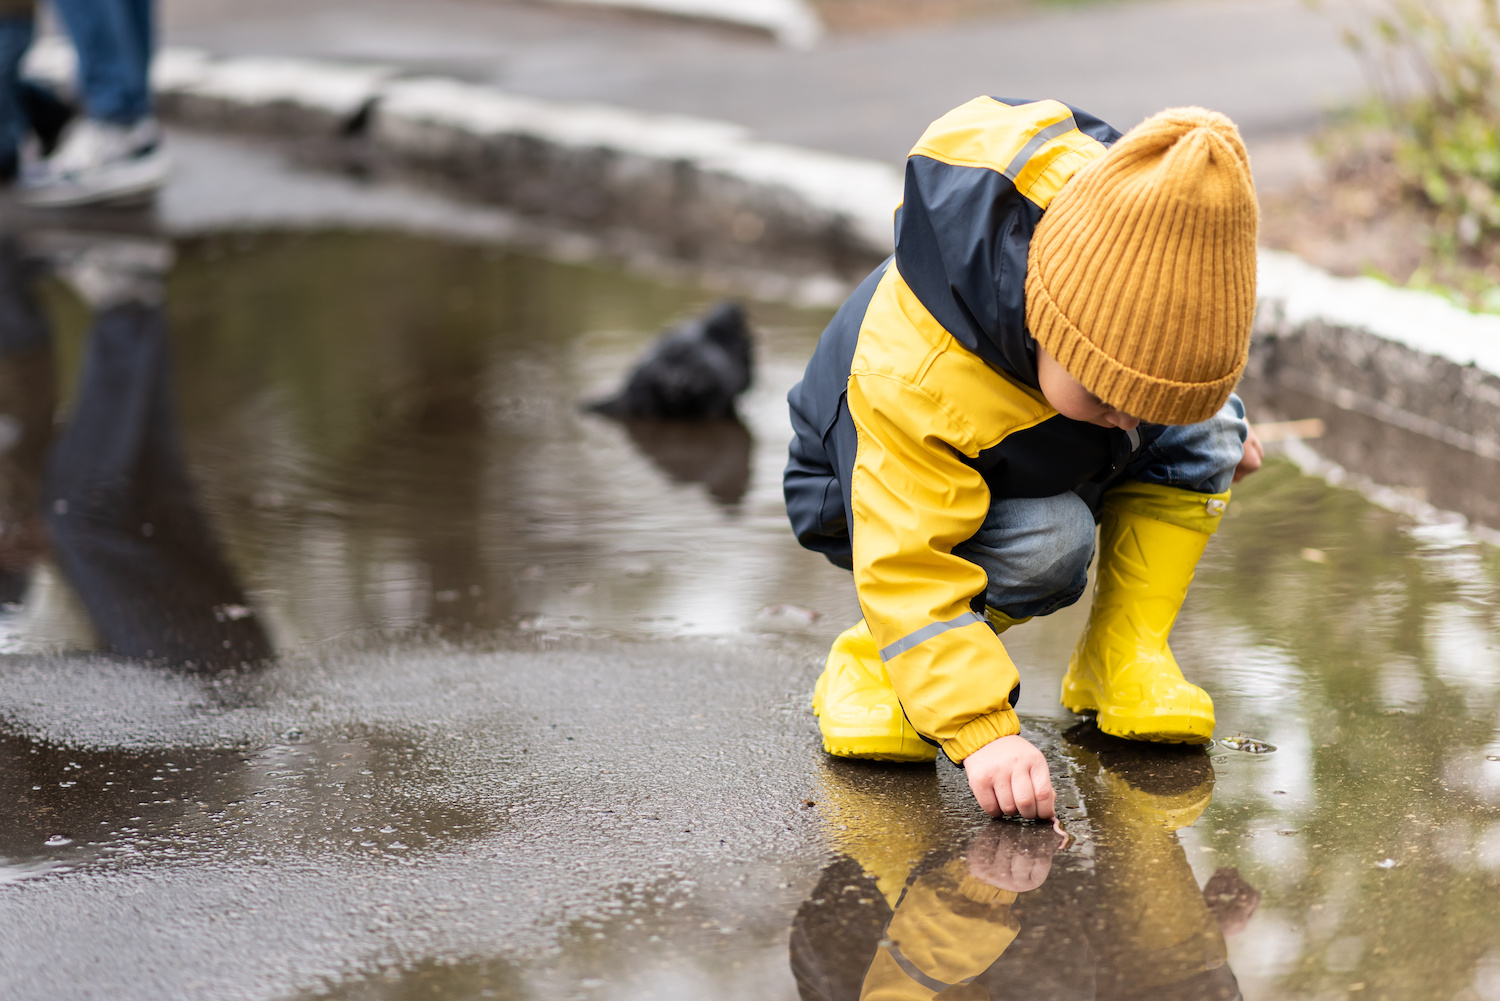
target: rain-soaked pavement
536 726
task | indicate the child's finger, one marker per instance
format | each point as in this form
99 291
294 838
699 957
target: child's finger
1023 793
1046 796
985 797
1003 796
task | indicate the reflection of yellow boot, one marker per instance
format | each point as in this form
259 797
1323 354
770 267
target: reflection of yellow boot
1122 670
857 708
1160 940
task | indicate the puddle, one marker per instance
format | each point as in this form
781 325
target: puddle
533 722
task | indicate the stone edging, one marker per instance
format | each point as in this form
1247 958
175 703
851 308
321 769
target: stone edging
1404 357
701 189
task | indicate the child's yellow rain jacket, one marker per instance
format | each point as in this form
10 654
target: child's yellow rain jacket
921 404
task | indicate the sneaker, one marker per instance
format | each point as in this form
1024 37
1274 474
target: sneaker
99 162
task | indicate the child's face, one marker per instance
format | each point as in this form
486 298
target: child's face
1069 398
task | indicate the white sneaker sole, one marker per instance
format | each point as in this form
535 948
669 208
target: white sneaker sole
120 182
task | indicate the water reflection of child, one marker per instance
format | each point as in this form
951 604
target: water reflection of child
1004 920
1054 343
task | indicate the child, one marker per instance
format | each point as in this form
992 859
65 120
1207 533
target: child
1056 340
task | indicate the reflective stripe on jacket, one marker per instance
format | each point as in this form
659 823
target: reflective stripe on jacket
921 404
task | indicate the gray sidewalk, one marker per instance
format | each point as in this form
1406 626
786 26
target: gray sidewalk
1275 66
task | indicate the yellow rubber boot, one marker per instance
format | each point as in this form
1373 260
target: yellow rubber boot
857 708
1122 671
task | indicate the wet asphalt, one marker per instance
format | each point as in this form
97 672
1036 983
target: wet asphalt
536 727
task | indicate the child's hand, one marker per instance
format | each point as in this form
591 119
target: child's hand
1250 461
1009 776
1012 857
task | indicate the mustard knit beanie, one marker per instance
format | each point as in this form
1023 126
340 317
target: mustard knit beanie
1141 274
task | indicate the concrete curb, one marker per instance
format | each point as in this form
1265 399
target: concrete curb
1404 357
709 191
689 187
705 188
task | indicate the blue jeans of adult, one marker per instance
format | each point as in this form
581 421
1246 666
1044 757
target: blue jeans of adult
1036 550
15 38
115 40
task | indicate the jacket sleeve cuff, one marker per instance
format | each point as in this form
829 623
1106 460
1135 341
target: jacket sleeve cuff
979 731
981 892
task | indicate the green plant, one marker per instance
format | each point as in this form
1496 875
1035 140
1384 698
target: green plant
1435 68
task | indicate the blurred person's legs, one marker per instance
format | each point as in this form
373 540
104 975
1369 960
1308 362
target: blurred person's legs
114 153
16 30
115 41
122 513
27 403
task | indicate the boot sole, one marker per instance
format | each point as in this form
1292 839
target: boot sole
878 749
1166 728
866 747
1158 730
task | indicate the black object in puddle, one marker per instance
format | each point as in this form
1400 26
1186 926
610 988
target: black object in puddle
693 372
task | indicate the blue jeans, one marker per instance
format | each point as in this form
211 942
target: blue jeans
1036 550
15 39
115 40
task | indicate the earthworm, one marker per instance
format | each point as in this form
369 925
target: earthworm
1067 839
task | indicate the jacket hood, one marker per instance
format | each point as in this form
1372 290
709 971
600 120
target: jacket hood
977 183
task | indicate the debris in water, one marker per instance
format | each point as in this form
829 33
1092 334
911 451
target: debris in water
793 613
1250 745
1388 863
1315 556
57 841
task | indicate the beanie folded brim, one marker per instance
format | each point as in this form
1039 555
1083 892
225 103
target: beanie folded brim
1140 394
